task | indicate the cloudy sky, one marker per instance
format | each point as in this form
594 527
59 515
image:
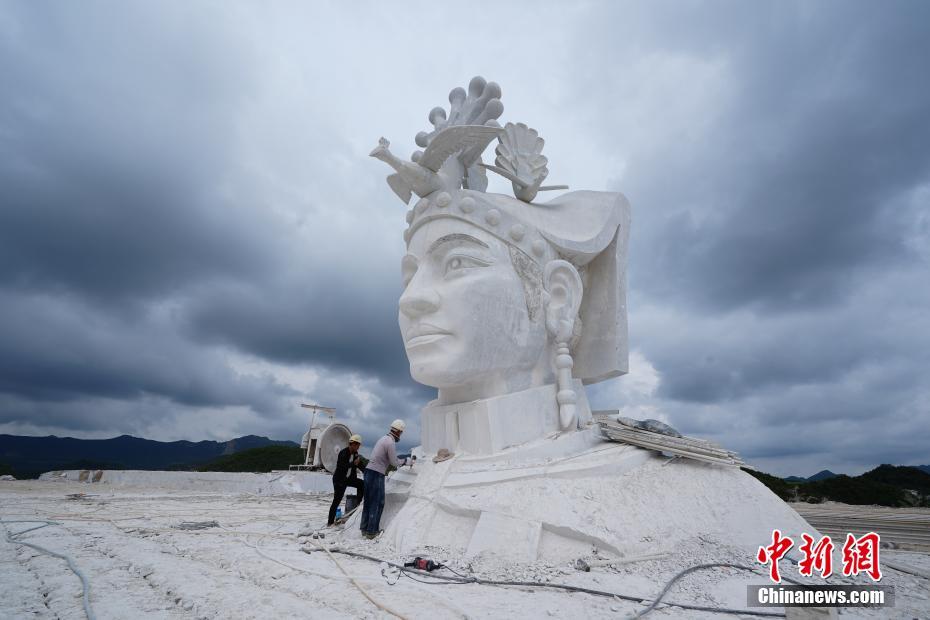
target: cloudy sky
193 239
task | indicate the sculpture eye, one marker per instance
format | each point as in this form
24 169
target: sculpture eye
459 263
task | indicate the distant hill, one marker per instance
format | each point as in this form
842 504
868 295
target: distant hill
924 468
263 459
820 475
856 490
886 485
908 478
28 457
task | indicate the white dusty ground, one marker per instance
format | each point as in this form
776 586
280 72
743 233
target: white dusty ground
124 536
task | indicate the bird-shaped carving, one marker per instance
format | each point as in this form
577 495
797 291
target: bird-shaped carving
436 168
410 176
520 160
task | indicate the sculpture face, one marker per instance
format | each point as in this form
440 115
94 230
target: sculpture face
463 314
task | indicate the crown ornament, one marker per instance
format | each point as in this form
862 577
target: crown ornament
452 156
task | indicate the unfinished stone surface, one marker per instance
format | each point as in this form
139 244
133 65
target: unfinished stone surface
580 493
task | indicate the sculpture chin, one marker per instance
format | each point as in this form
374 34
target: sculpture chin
439 361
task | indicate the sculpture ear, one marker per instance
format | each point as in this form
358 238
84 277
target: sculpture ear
564 289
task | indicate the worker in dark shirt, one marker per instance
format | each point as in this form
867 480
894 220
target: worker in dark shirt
347 463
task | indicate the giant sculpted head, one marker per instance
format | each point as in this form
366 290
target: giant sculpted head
503 294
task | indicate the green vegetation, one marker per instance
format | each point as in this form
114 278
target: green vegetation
886 485
911 478
257 460
776 485
852 491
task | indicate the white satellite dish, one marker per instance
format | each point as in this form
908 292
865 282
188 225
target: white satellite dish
333 439
323 440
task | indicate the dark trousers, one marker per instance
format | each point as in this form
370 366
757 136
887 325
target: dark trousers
339 490
374 502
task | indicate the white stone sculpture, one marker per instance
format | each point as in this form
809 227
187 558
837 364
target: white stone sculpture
509 308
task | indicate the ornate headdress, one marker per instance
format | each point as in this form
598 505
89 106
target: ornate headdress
589 229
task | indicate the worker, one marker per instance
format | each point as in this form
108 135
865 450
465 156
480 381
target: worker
383 455
347 463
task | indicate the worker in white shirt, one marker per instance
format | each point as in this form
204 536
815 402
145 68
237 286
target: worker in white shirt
383 455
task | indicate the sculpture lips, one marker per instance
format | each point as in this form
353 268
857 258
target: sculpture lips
424 333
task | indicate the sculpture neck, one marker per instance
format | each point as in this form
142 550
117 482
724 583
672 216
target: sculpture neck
490 425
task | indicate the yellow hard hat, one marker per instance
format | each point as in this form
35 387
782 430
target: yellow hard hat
355 438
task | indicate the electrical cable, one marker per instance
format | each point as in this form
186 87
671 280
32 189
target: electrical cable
455 572
85 584
285 564
357 585
408 575
681 574
387 579
443 580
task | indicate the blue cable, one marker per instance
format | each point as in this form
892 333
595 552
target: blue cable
11 538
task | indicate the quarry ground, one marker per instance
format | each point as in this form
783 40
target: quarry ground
139 564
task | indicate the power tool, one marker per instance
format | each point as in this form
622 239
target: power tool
423 564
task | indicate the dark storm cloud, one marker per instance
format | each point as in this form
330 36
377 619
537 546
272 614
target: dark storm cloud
67 351
153 219
733 355
101 230
333 320
124 187
783 191
112 181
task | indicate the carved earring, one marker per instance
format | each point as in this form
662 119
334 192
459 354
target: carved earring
563 296
566 397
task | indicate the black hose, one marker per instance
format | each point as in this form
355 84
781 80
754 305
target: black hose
559 586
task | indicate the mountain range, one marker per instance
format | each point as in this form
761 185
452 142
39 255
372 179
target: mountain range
820 475
27 457
886 485
826 474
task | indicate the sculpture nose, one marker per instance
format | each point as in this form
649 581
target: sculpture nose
417 302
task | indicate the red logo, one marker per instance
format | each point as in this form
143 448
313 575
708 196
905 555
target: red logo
860 555
817 557
774 552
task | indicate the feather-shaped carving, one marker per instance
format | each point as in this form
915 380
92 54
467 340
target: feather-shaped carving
520 159
454 139
481 105
520 153
452 156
